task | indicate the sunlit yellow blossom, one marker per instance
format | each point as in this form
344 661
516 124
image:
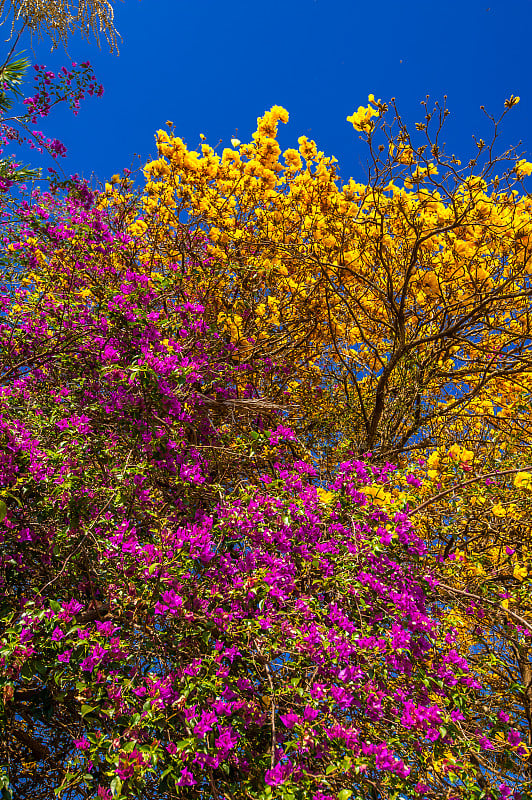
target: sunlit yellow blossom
454 452
433 461
523 480
498 510
324 496
523 167
520 572
361 118
378 494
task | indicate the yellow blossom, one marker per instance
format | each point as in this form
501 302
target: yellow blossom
523 167
498 510
378 494
361 118
454 452
325 497
522 480
433 461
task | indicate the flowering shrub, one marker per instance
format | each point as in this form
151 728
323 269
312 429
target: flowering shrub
187 611
69 86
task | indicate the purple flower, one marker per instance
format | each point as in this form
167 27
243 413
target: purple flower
172 600
231 653
107 628
205 724
279 773
485 743
82 744
310 714
93 658
72 608
186 778
57 635
227 739
514 737
289 720
25 635
65 657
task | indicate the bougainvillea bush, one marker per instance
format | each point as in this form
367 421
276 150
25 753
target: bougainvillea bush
187 611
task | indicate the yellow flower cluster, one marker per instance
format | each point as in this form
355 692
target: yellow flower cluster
362 117
523 480
460 454
523 168
325 497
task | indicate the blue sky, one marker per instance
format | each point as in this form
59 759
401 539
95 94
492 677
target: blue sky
213 67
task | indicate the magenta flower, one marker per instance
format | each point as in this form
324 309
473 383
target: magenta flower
65 656
289 720
186 778
205 724
82 744
514 737
57 635
227 739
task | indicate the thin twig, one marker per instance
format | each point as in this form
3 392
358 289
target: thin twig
478 597
466 483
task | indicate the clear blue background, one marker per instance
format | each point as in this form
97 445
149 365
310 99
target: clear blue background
213 67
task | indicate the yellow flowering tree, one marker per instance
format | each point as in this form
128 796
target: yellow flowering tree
400 302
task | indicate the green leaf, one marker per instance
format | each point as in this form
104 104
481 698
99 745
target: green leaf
116 787
85 709
27 672
345 794
182 745
3 510
11 76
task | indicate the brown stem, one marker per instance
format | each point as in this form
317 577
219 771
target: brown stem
39 750
466 483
